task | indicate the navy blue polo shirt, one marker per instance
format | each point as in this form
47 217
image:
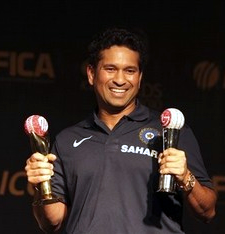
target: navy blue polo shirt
109 178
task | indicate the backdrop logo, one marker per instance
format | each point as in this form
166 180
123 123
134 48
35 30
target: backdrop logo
26 65
15 184
207 75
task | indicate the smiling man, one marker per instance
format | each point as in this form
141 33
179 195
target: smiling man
105 169
116 80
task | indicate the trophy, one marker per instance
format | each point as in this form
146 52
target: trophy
172 121
36 127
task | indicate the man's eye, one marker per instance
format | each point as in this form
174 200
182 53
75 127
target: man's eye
110 69
130 71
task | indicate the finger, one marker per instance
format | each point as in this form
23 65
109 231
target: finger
38 179
172 165
160 157
40 172
51 157
171 158
39 164
172 170
172 151
37 157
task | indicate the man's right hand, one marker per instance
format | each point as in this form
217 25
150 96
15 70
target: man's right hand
39 168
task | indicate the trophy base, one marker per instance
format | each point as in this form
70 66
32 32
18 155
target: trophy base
167 184
46 201
166 190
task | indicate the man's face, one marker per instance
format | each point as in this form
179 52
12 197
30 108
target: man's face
117 79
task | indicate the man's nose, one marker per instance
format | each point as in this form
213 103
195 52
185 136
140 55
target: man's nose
119 77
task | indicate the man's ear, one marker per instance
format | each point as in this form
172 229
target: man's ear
140 79
90 74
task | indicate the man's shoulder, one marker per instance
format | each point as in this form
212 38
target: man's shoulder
154 113
76 127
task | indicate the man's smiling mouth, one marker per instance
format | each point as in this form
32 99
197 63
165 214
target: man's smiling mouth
118 90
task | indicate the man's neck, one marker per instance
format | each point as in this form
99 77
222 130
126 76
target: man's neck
111 119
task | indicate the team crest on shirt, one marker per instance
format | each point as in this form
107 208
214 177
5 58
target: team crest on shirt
148 134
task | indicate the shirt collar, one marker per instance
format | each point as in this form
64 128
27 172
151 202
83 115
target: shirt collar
140 113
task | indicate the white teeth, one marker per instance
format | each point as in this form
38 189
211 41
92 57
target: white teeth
118 90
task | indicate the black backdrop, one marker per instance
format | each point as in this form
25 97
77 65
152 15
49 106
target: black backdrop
42 57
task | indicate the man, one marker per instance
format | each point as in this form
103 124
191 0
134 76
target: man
105 169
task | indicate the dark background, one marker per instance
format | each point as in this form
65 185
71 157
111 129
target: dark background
186 71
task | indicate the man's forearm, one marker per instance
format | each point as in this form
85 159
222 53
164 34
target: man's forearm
202 202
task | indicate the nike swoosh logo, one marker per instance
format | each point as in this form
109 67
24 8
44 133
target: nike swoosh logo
75 144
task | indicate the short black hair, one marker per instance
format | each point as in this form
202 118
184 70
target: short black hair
120 37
